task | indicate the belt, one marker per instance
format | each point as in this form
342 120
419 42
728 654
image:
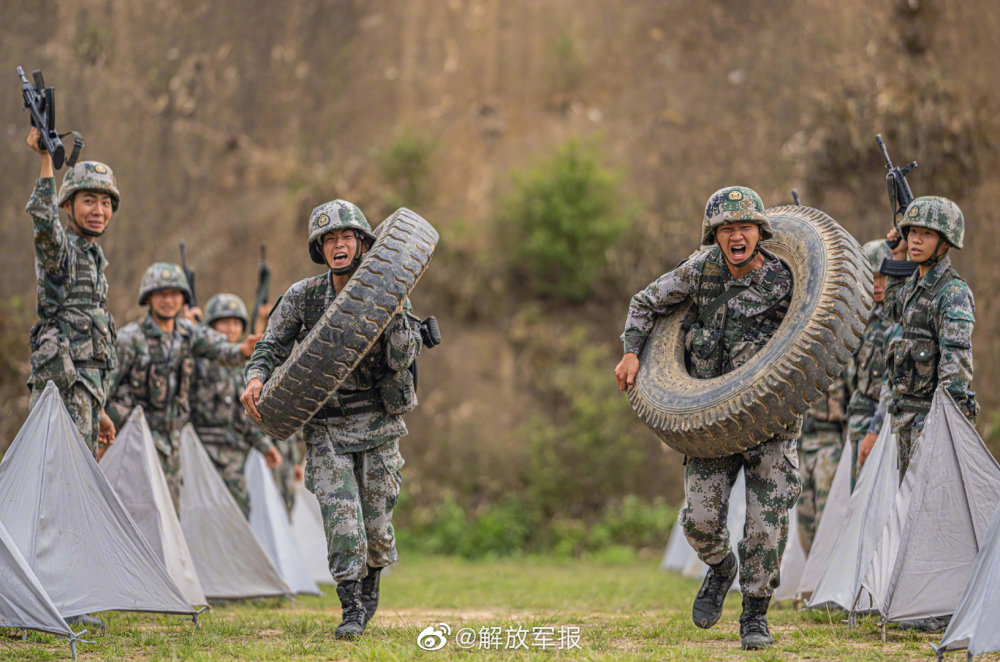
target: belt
910 407
352 402
863 405
812 425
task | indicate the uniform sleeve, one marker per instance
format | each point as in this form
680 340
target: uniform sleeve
955 316
210 344
120 399
283 328
891 303
50 238
885 392
402 340
661 297
259 440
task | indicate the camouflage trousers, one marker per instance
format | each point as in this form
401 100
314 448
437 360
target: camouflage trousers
171 463
83 408
818 459
857 428
229 462
907 428
284 475
772 482
357 493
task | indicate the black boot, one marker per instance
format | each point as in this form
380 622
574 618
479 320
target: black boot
369 592
753 623
354 610
707 606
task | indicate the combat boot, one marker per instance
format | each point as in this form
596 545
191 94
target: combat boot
369 592
707 606
753 623
353 623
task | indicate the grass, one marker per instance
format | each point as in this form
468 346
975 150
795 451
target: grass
624 609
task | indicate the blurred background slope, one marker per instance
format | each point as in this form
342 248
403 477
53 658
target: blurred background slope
564 149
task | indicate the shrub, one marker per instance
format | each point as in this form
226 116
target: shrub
562 224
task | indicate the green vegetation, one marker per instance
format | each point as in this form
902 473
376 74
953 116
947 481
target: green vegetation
625 610
405 167
563 223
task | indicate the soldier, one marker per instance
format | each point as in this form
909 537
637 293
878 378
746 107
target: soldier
936 311
353 461
219 419
866 369
156 363
740 294
292 470
820 446
73 342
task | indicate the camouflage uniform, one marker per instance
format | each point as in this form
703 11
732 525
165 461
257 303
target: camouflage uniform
155 370
821 445
353 461
934 349
73 342
717 343
866 369
222 424
292 454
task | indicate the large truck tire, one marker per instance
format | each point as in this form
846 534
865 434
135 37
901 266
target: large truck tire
347 330
831 302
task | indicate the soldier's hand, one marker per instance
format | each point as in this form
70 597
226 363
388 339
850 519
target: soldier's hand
299 473
192 313
626 370
899 252
34 139
866 448
273 458
250 397
105 431
248 344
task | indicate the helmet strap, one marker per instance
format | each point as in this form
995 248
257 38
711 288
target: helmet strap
342 271
740 265
76 226
934 258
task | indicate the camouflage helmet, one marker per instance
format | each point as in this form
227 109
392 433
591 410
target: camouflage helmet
935 213
331 216
222 306
90 176
877 250
163 276
731 205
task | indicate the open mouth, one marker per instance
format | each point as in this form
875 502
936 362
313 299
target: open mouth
339 257
739 252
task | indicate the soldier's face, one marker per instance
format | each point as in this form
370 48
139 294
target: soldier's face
339 247
922 243
737 240
230 327
879 289
166 304
91 210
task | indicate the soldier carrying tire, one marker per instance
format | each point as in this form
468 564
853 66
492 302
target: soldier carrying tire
354 466
741 293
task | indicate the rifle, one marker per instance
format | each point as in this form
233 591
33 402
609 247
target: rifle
189 275
795 197
40 104
263 283
900 198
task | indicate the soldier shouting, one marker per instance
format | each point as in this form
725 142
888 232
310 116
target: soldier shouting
740 295
73 343
353 461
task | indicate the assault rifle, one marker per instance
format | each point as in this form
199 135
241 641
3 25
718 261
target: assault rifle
40 104
263 284
795 197
430 336
189 275
900 198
